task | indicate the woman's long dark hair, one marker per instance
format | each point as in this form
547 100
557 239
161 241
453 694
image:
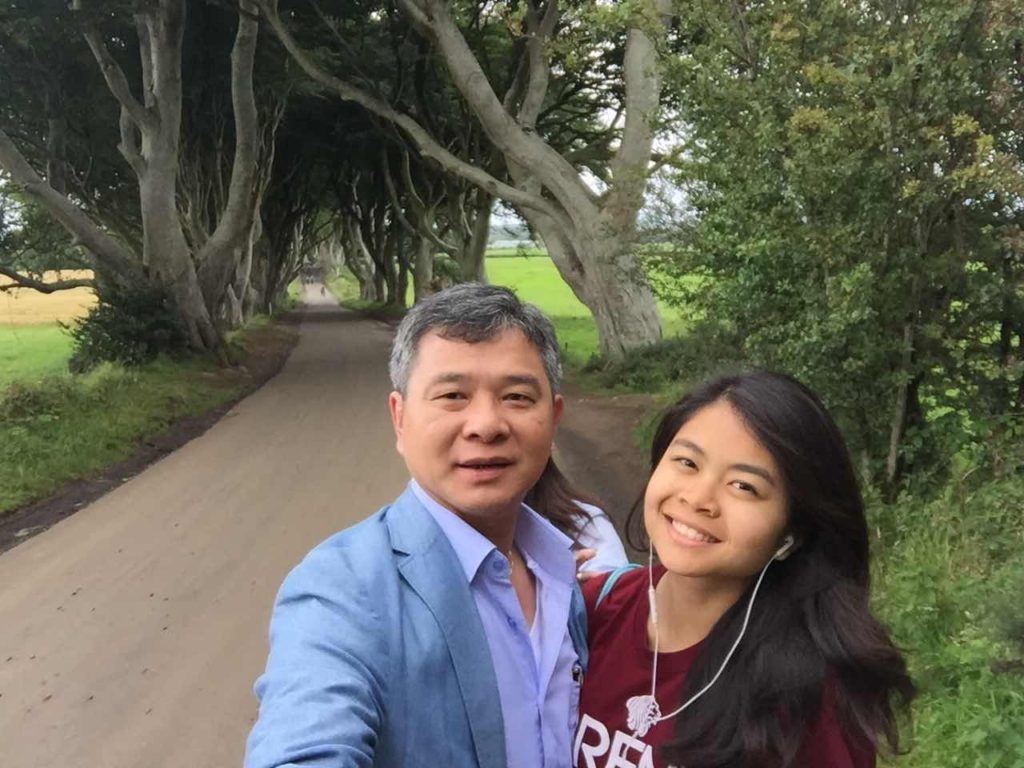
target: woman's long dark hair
811 633
555 497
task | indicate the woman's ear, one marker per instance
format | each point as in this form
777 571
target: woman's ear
789 545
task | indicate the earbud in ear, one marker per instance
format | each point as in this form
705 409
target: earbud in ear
786 548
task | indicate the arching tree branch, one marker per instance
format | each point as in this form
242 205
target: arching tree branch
24 281
423 141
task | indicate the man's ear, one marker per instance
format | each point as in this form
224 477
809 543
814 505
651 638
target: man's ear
396 407
558 408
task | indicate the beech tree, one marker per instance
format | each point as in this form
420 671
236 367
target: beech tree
195 267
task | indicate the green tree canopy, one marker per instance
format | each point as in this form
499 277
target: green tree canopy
855 177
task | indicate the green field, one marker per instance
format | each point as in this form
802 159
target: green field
31 352
536 280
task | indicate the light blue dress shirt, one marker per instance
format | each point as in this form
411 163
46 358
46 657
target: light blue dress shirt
536 667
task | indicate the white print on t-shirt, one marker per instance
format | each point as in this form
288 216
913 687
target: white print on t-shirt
624 751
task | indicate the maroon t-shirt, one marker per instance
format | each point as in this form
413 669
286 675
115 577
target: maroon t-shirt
620 667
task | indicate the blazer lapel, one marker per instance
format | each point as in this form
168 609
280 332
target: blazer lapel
432 570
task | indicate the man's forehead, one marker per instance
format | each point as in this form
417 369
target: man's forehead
504 378
437 344
439 358
454 334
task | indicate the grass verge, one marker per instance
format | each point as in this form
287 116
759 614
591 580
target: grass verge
32 352
948 577
61 428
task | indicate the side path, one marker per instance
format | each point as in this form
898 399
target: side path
131 632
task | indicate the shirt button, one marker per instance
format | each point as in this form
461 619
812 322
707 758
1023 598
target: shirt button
511 622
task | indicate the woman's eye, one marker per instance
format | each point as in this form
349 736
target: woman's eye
745 487
685 462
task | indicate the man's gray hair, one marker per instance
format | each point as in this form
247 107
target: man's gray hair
473 312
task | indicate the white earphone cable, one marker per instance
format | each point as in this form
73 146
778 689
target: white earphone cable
728 656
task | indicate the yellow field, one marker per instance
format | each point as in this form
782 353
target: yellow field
23 306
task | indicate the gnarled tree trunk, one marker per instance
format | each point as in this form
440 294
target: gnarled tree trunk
471 256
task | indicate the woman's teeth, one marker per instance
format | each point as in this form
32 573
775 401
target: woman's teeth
691 533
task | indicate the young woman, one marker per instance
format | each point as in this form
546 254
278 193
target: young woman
751 644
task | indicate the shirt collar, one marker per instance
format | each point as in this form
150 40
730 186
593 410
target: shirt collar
539 541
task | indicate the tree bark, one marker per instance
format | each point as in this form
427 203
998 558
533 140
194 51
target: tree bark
423 269
151 143
359 263
403 264
387 253
595 253
471 258
218 256
24 281
592 243
56 143
233 308
238 288
150 140
610 283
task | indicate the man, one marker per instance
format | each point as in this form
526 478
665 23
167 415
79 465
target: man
447 629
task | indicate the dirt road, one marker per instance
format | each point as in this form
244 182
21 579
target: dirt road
131 633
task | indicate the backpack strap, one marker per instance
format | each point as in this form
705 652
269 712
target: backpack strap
578 626
610 581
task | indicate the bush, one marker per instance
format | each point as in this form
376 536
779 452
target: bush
672 365
948 574
129 326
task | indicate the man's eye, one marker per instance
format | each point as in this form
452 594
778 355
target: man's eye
450 396
519 397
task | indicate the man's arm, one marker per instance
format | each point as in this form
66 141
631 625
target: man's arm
321 697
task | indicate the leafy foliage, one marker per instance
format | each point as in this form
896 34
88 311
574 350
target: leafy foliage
855 177
673 365
947 580
129 326
31 241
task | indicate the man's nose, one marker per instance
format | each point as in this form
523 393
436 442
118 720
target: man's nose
485 420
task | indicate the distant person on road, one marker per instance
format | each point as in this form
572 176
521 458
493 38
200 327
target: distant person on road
448 628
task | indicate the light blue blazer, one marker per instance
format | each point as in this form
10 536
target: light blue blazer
378 656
